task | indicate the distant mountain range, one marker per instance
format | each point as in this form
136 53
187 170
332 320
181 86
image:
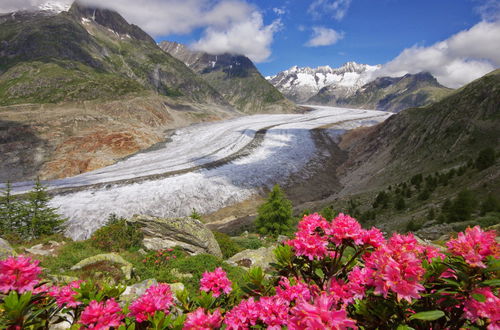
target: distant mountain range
351 85
300 84
235 77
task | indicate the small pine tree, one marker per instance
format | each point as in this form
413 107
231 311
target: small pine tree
41 219
431 214
485 159
381 200
400 203
195 215
463 206
275 215
491 204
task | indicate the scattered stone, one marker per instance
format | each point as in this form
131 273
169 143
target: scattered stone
188 233
282 238
262 257
126 267
5 249
49 249
435 231
175 272
133 292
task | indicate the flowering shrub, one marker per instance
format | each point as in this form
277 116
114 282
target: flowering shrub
332 274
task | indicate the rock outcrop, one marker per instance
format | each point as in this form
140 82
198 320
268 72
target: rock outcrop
5 249
188 233
125 266
262 257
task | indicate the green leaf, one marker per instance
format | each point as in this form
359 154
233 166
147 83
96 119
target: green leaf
427 316
319 272
404 327
479 297
494 282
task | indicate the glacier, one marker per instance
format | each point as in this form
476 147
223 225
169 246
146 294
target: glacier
285 149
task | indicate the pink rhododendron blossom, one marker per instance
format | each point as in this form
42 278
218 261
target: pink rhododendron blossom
244 315
291 293
65 296
313 223
202 320
215 282
397 267
474 246
156 298
488 309
319 315
19 274
357 280
102 315
273 312
373 237
343 227
309 245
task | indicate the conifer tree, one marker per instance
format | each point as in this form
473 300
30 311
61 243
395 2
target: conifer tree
41 219
275 215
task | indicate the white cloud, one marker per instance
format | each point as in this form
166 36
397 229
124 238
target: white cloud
489 10
322 36
250 37
336 8
219 18
455 61
279 11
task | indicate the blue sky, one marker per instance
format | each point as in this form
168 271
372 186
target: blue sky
374 31
455 40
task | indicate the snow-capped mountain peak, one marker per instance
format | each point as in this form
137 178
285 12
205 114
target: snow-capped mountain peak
55 6
301 83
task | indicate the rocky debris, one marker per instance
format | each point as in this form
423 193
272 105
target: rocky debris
49 249
262 257
188 233
177 274
126 267
5 249
434 232
132 292
232 224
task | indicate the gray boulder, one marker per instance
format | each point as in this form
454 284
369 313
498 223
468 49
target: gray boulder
5 249
188 233
262 257
125 266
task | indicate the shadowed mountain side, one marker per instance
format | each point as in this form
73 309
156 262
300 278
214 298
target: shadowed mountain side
387 93
22 151
235 77
442 135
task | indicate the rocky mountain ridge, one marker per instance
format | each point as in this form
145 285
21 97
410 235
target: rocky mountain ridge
299 84
235 77
387 93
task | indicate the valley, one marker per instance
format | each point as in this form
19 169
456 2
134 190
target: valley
174 180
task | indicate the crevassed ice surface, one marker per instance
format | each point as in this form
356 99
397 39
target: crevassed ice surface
286 148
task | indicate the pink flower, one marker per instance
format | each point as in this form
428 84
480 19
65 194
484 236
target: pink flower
215 282
474 246
309 245
102 315
156 298
292 293
357 281
65 296
344 228
319 315
373 237
489 309
313 224
19 274
201 320
245 314
273 311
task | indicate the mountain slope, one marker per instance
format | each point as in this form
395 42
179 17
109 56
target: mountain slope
90 52
235 77
386 93
82 89
444 134
300 84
